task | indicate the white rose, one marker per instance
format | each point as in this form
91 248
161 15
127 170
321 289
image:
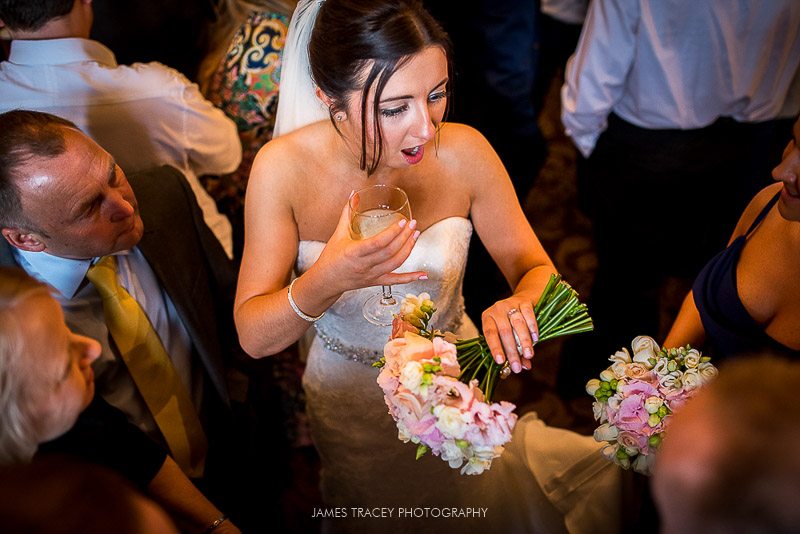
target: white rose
644 349
592 386
707 371
637 370
621 356
652 404
411 376
692 358
606 432
607 375
692 379
451 421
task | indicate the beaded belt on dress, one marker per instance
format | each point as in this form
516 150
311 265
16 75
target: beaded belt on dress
366 355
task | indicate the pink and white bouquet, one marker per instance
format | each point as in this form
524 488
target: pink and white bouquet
437 411
439 388
636 396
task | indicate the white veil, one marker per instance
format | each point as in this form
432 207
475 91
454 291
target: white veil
298 104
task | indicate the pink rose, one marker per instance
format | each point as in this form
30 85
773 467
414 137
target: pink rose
459 394
633 442
411 347
638 371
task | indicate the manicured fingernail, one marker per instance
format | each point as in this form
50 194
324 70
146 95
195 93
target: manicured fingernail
528 353
416 235
413 224
535 336
516 367
423 277
498 358
402 223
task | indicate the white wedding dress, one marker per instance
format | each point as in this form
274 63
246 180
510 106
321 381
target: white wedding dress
364 465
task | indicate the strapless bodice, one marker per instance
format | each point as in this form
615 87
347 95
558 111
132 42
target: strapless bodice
441 251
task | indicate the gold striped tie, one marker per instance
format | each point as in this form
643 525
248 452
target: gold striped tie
151 369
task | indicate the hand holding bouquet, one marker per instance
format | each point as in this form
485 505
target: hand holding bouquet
439 388
636 396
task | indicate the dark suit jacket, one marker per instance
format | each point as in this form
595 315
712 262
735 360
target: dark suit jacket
190 265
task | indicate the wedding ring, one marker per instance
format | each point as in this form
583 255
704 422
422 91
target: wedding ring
512 311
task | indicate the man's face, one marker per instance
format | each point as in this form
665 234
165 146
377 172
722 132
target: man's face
80 203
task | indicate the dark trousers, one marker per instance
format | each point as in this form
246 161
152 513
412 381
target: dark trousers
662 203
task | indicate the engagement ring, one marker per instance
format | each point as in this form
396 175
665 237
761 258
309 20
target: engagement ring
512 311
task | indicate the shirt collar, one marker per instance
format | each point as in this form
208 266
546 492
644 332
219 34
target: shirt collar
59 52
64 274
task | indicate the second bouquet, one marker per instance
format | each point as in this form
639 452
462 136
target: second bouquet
439 388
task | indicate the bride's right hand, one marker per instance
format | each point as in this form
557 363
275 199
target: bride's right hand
357 263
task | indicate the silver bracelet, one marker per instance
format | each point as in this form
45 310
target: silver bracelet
298 311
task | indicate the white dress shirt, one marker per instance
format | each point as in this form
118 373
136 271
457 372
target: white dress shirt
145 114
83 311
682 64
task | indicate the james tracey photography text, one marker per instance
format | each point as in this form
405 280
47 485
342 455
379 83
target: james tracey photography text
382 512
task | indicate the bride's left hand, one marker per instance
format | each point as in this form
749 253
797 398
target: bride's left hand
501 321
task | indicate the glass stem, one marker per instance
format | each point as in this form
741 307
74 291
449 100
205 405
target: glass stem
387 299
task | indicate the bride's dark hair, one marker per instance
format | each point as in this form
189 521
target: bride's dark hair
349 34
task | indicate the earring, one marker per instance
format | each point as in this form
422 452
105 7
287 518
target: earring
339 117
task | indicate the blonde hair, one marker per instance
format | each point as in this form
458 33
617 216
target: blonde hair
18 436
230 14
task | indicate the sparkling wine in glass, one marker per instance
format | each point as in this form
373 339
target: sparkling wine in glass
372 210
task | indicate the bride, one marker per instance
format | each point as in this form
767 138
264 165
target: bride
372 112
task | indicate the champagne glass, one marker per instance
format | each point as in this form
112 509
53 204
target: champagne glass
372 210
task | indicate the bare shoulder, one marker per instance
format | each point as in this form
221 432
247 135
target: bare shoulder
755 207
467 152
461 138
276 165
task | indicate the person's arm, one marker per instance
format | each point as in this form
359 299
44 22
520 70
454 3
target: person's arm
596 72
687 328
503 228
212 140
265 320
189 508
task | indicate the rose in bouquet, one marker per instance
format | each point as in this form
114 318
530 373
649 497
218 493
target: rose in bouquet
636 396
439 388
437 411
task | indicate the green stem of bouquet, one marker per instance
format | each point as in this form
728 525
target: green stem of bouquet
558 312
